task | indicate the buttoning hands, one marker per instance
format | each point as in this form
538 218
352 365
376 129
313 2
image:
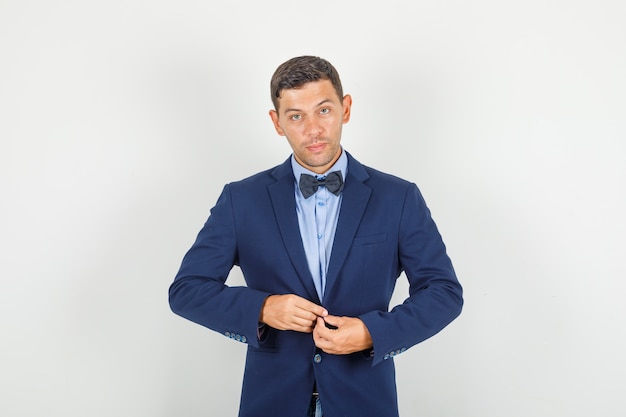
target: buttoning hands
337 335
341 335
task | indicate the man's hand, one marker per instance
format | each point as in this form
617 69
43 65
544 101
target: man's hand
351 335
291 312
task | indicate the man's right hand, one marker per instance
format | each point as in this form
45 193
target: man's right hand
291 312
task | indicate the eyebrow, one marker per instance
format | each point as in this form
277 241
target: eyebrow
318 104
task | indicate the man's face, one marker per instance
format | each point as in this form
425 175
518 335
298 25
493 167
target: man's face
311 118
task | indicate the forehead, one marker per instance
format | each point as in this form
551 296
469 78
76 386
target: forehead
308 95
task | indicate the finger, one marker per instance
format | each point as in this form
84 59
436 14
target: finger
303 316
318 331
333 322
303 323
302 329
312 308
298 326
306 309
322 330
321 342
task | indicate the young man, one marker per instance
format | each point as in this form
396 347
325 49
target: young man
321 240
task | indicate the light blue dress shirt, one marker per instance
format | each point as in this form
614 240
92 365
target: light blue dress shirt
317 218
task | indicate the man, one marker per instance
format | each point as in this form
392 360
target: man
320 256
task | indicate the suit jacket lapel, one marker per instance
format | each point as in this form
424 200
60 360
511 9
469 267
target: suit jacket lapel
355 197
284 204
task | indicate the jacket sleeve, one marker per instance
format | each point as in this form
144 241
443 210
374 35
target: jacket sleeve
435 295
199 292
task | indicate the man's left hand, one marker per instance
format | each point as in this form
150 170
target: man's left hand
348 335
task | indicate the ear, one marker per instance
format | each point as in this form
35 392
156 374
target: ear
347 106
274 117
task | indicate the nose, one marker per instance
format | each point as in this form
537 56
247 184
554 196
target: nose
313 127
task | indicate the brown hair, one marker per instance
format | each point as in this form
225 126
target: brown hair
298 71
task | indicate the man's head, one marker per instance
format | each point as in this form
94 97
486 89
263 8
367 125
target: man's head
310 110
298 71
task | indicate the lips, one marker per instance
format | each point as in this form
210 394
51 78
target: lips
316 148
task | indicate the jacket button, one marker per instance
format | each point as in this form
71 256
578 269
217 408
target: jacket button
317 358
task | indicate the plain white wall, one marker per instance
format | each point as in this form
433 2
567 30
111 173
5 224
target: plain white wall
120 121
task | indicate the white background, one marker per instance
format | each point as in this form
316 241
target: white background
121 120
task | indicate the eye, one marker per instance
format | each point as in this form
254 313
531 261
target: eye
325 110
295 117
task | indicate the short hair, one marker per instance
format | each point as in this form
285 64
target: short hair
298 71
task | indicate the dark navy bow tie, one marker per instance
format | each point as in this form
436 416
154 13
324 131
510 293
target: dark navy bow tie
309 184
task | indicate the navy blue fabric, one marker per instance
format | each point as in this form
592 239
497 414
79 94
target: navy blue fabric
384 228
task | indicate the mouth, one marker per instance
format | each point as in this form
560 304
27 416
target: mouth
316 147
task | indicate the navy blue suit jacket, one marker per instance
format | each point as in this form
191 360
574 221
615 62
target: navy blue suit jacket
384 228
